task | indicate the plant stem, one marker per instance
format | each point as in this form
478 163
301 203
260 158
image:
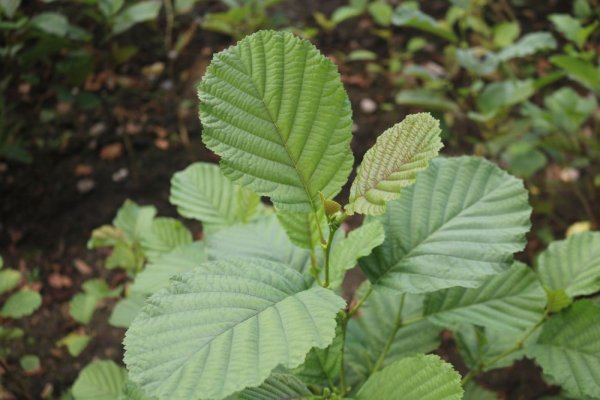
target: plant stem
398 324
326 251
518 346
355 308
342 371
169 29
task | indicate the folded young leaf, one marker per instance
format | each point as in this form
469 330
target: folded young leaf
277 387
224 327
264 239
458 224
568 349
368 334
100 380
399 153
276 112
572 264
512 300
303 229
359 243
420 377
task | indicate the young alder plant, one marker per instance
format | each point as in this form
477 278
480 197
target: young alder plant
263 318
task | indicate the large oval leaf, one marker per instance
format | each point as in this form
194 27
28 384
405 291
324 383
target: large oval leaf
513 300
276 112
393 163
572 264
458 224
225 326
418 377
568 349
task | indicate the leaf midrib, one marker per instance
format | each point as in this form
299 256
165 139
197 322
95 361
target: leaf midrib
408 254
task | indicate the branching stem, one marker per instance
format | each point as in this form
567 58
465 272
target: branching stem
518 346
397 325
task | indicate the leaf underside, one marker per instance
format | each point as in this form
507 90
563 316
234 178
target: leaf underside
399 153
224 327
458 224
276 112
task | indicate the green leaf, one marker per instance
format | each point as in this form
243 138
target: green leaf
568 349
100 380
134 14
82 307
303 229
201 192
512 300
579 70
124 256
475 392
529 44
408 14
479 346
420 377
393 162
368 334
131 391
381 12
10 333
572 264
157 274
29 363
261 108
572 28
51 22
127 309
427 99
359 243
264 239
464 214
21 304
164 236
346 12
100 289
246 206
75 343
557 300
277 387
9 279
134 220
505 33
322 366
225 326
10 7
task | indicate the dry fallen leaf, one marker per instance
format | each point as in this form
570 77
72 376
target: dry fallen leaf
161 144
82 267
111 151
83 170
59 281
